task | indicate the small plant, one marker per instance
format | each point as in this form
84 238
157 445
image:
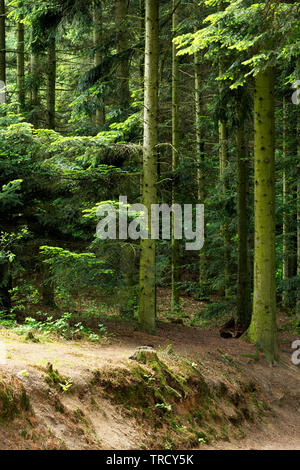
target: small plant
164 406
54 378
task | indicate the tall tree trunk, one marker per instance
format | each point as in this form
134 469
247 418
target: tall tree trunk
5 287
98 39
142 39
285 249
199 154
175 161
223 157
21 66
298 217
35 101
243 292
147 310
2 43
51 84
263 329
122 45
289 256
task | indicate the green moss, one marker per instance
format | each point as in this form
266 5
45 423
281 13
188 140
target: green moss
54 378
59 406
176 404
13 400
9 404
25 401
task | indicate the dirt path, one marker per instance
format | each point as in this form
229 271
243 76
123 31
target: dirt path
79 360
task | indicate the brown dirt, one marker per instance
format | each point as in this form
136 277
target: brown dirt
98 423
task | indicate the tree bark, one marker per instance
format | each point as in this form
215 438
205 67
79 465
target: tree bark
35 102
243 292
147 308
122 45
142 39
175 162
199 154
5 287
263 329
285 250
98 39
2 43
223 157
51 84
298 217
20 66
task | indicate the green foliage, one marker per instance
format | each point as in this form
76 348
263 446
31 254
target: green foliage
73 271
255 33
63 327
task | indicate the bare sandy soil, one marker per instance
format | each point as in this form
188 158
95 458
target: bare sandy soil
111 429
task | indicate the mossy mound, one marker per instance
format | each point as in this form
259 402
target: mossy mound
13 399
176 403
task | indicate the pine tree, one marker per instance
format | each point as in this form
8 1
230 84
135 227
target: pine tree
2 42
147 308
175 162
51 84
21 66
263 329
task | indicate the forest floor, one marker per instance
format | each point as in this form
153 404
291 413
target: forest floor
245 402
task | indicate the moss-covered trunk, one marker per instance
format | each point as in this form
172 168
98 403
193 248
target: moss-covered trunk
147 308
263 329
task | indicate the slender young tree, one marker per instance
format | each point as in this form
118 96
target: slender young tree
147 308
5 287
175 160
263 329
243 291
48 294
98 39
122 46
34 93
199 153
223 158
21 66
2 42
298 214
285 228
142 39
51 84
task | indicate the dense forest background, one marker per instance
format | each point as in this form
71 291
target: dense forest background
166 102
